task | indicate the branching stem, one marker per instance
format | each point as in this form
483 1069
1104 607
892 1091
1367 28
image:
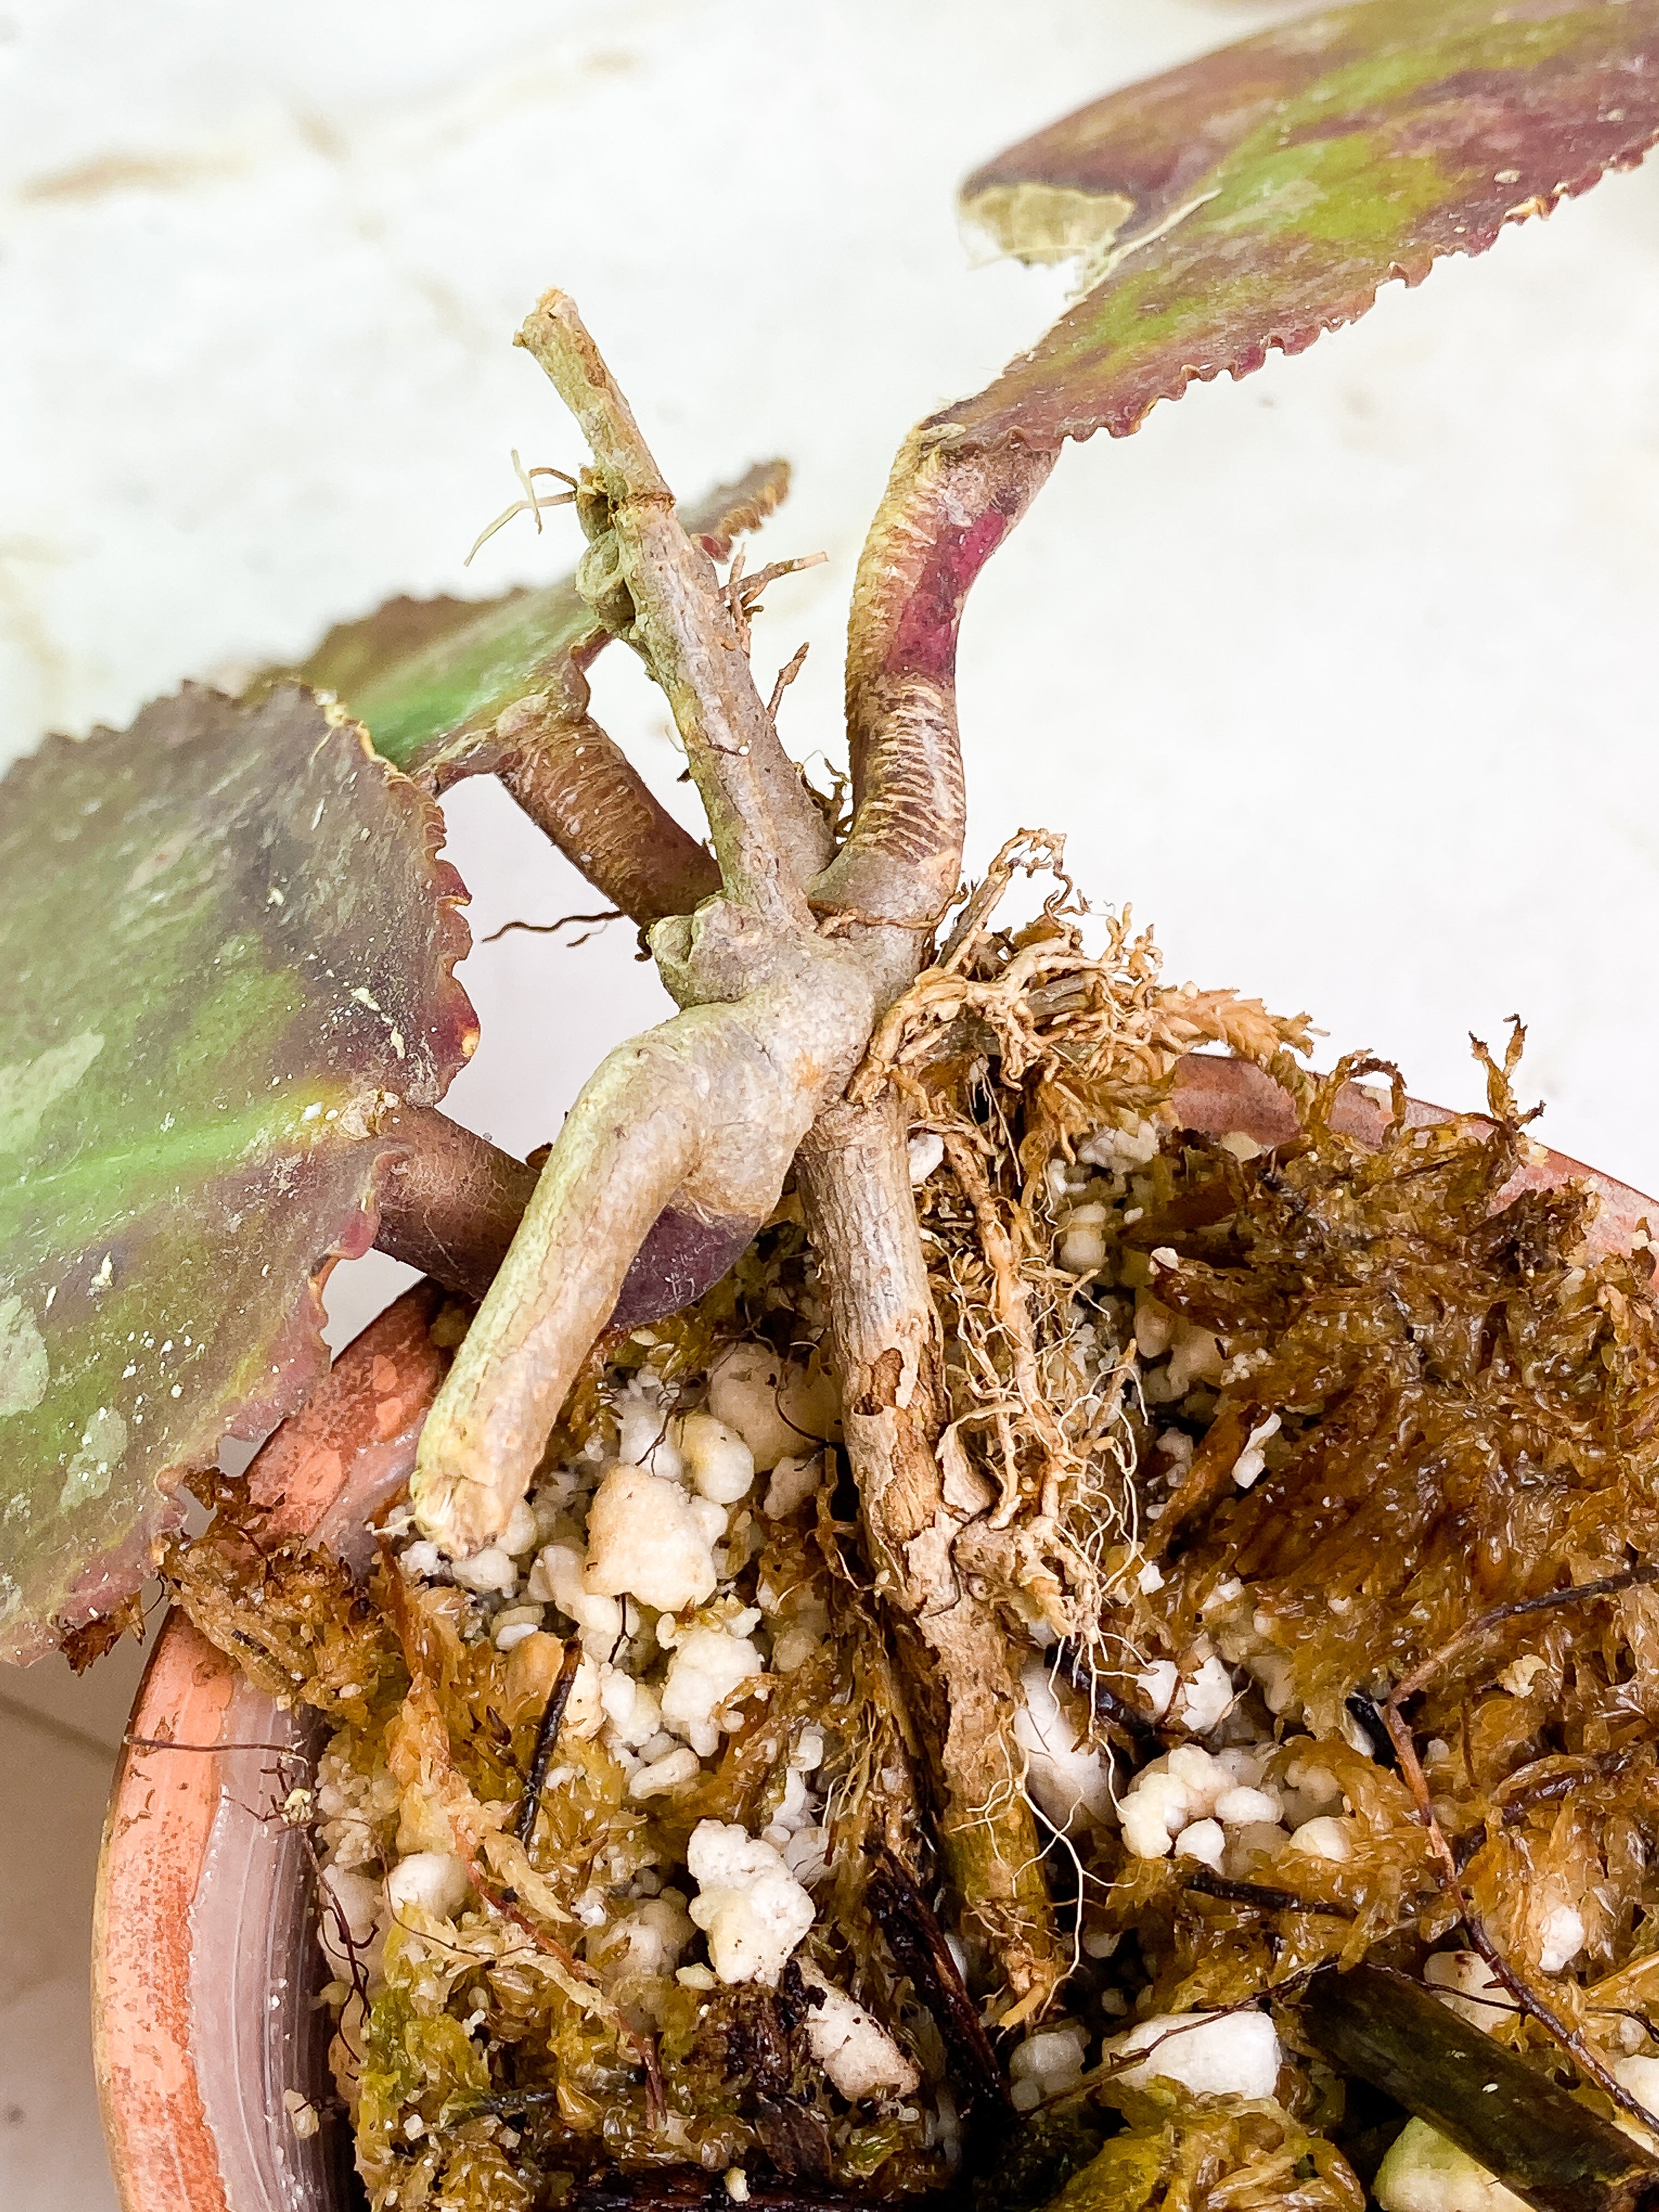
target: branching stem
699 1121
768 836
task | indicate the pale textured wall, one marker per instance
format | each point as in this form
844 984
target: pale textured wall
1342 676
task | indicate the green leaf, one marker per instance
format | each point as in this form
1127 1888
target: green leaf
1261 195
229 946
429 678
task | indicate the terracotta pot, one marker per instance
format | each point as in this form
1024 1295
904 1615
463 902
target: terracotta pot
205 1966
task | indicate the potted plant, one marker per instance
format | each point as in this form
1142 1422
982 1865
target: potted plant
253 1080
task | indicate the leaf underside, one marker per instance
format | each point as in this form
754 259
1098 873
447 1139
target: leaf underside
228 944
429 678
1261 195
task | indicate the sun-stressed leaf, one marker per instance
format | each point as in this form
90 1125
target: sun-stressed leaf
428 678
1250 200
227 945
1263 194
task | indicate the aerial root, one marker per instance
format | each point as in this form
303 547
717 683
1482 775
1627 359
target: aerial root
531 503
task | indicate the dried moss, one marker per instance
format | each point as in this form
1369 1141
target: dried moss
1456 1413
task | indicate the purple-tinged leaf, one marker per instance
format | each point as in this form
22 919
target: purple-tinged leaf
1252 199
1263 194
229 946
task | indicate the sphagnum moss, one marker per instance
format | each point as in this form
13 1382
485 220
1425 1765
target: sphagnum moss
1240 1438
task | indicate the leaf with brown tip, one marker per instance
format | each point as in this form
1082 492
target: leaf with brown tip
228 945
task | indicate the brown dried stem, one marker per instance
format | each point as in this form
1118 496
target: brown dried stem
547 1738
919 1944
1536 2139
1531 2002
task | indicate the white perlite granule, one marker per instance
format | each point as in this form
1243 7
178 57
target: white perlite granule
1424 2172
1248 1467
1045 2065
1563 1938
1067 1779
720 1465
708 1664
436 1880
644 1541
854 2051
1190 1784
776 1407
749 1905
1233 2055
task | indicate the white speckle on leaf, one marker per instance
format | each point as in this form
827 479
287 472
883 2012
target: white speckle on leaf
28 1087
106 1274
25 1370
103 1440
274 897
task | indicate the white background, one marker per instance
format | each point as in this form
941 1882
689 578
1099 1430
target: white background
1343 676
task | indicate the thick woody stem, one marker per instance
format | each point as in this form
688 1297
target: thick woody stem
577 786
768 836
450 1205
945 513
554 1293
697 1121
855 1181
